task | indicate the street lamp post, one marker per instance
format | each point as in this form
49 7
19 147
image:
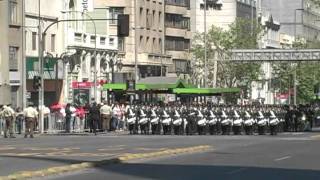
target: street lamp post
295 71
205 43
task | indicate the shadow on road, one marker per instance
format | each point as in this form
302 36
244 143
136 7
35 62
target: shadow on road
41 158
185 172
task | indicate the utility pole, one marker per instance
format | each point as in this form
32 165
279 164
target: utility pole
205 43
41 71
135 43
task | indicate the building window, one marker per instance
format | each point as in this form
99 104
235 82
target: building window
53 43
160 17
111 42
113 14
34 41
177 21
13 16
177 44
141 13
121 44
92 39
77 37
102 41
13 58
85 38
153 17
141 42
184 3
154 45
147 44
160 45
148 21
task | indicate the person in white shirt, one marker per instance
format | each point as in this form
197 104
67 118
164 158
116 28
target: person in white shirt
31 116
105 112
8 114
116 115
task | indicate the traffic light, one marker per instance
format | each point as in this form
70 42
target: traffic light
36 82
131 85
123 25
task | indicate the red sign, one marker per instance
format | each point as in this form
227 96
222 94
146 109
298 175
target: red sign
282 96
81 85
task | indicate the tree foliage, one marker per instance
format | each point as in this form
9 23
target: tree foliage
316 2
307 75
241 34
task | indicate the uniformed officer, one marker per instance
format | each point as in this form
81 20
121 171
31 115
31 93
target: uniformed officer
8 115
31 116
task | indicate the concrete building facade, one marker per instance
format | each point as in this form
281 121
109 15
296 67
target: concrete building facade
220 13
177 23
4 54
146 38
53 48
297 17
12 50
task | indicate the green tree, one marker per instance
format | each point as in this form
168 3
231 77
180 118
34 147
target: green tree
307 75
240 35
316 2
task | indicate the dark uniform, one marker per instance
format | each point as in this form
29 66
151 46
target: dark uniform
94 113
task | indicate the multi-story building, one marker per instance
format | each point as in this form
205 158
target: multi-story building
11 46
177 22
298 18
95 56
145 43
4 54
220 13
53 48
262 90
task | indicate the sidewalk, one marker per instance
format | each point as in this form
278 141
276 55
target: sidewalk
86 133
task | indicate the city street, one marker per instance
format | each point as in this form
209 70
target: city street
287 156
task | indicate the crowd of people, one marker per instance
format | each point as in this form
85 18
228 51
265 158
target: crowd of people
140 117
10 117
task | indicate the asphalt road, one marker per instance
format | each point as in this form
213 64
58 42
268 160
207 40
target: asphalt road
287 156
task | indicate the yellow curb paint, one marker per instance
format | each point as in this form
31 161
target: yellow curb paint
84 165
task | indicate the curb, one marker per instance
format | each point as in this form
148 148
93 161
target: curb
120 159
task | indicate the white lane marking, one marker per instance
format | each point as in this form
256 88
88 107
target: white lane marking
283 158
237 170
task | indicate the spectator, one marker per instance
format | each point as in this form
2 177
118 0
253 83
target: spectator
19 119
116 115
30 114
94 113
106 112
68 117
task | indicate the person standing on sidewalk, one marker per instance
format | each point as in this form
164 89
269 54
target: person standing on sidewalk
8 115
116 115
105 112
31 115
68 117
94 114
19 119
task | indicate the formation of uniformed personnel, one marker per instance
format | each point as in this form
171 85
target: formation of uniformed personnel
8 115
203 118
31 117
